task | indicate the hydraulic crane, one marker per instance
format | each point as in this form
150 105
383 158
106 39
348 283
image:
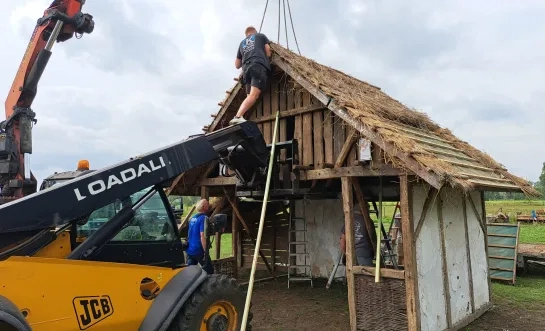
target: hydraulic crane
61 21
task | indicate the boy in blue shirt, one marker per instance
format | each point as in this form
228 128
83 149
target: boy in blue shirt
196 239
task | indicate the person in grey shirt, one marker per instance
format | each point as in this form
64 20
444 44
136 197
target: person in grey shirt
364 250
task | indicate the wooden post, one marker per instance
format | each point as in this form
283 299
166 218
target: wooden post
444 266
273 248
235 239
468 254
409 253
348 208
204 192
485 234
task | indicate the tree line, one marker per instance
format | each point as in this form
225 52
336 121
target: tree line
539 186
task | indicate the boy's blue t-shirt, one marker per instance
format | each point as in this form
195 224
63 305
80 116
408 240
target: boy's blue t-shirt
196 226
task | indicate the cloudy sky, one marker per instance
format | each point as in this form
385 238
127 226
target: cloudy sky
153 71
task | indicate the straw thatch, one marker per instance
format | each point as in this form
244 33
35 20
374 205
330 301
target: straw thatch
406 130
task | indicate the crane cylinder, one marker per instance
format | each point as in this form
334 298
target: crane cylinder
25 129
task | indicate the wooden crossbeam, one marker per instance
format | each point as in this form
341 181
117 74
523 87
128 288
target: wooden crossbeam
353 171
187 217
384 272
432 194
207 172
219 181
479 217
174 184
369 224
292 112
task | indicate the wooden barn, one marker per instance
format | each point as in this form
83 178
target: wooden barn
340 141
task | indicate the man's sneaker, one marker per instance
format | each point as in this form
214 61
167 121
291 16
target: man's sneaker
237 120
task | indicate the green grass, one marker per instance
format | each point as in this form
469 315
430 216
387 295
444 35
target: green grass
532 234
528 292
529 233
226 247
511 207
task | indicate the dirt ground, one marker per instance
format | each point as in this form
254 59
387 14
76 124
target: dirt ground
277 308
506 317
536 250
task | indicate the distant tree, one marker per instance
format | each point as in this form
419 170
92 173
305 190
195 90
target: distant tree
540 185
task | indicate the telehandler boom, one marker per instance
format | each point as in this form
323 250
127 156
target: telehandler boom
114 279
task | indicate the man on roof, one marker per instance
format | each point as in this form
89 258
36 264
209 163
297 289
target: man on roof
253 57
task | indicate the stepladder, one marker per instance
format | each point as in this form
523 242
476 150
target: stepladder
388 254
299 267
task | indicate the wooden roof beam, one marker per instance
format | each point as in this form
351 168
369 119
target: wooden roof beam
410 162
224 107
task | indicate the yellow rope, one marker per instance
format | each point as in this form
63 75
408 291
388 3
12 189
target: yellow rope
261 225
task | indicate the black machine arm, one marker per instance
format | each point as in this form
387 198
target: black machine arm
79 197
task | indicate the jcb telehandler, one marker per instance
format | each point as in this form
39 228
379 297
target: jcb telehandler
129 273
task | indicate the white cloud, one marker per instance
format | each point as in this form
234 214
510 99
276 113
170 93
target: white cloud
152 72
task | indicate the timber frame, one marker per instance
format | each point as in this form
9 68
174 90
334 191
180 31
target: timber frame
326 153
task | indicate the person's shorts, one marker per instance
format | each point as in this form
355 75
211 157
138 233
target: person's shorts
255 75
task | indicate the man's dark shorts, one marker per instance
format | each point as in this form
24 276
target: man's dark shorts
255 75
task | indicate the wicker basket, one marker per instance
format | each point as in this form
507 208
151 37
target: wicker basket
380 306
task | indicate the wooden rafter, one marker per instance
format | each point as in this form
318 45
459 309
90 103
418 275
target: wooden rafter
409 162
350 140
224 107
174 184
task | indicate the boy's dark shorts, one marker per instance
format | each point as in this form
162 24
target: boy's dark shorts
255 75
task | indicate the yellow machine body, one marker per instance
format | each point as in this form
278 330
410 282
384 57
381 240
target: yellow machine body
59 294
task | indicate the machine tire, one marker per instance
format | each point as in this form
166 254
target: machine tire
216 288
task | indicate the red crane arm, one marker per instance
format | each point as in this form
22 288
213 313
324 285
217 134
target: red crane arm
61 21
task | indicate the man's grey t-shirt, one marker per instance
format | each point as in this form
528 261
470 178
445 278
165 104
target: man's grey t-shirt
252 49
361 239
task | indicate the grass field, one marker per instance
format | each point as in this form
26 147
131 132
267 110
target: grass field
528 292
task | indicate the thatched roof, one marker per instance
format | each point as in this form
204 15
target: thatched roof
410 139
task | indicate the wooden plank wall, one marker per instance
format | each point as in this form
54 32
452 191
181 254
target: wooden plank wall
268 242
320 133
